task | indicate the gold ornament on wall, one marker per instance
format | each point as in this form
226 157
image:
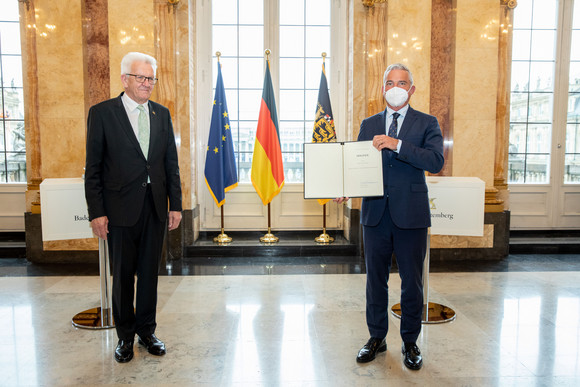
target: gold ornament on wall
172 5
371 3
509 3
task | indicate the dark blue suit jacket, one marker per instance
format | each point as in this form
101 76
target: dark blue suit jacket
404 173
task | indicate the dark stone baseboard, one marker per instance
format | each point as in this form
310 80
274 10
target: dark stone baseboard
545 241
35 252
291 244
180 243
182 236
174 242
500 249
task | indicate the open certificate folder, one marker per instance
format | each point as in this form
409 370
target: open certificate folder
342 169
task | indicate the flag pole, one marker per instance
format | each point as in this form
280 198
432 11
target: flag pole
269 237
222 238
324 237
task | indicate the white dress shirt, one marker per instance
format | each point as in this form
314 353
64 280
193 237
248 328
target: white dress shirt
133 112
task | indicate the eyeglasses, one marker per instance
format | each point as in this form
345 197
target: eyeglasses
142 79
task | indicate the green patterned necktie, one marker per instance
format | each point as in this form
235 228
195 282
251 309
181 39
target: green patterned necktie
143 130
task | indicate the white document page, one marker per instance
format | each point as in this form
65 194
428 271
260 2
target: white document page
363 170
323 170
332 170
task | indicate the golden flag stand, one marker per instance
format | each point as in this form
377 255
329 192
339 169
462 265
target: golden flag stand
269 237
222 238
324 237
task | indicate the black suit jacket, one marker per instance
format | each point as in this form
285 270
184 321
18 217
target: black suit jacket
404 172
116 170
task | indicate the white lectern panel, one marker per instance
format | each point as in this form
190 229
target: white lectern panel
63 209
457 205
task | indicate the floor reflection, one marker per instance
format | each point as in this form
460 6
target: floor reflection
246 360
18 353
264 266
513 327
296 357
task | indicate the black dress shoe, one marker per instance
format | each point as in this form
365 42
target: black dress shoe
153 344
370 349
124 351
413 359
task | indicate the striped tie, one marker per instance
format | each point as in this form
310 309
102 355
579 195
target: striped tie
143 130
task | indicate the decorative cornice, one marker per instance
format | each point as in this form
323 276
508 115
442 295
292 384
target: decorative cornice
509 3
27 2
172 4
371 3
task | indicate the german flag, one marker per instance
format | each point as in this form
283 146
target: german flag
267 167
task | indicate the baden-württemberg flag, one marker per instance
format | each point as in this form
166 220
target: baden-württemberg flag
220 163
267 167
323 120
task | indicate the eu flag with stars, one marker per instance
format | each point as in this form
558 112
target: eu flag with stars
220 163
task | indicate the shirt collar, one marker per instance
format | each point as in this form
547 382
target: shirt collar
402 112
132 105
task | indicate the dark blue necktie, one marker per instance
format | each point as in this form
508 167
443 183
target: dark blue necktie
393 126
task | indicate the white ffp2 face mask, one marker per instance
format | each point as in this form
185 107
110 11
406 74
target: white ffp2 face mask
396 96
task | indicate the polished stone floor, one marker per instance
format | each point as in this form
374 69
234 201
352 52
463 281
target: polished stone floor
282 323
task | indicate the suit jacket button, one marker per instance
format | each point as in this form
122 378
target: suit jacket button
144 185
148 166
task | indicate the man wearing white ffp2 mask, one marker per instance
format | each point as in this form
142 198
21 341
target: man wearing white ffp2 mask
411 143
396 96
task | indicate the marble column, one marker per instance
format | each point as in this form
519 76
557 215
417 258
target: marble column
357 52
95 88
500 198
172 45
31 105
443 13
96 69
376 56
164 38
185 61
367 62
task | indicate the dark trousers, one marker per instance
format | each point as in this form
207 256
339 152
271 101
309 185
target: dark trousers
409 246
134 251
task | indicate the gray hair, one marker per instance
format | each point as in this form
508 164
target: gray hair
397 66
131 57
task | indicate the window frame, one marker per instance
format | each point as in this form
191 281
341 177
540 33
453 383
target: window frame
244 209
6 120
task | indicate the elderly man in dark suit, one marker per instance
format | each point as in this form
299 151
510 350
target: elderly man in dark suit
411 143
131 174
